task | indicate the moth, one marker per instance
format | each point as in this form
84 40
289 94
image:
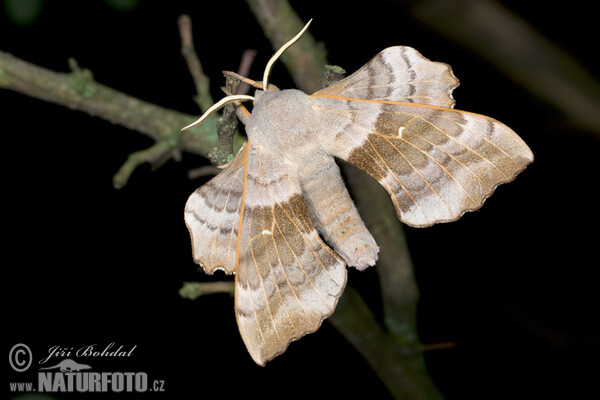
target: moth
279 215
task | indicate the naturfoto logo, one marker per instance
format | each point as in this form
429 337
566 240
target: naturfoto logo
59 372
70 379
68 365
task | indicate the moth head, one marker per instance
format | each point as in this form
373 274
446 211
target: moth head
265 82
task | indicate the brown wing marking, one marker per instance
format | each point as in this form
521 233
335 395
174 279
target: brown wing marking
287 279
437 163
212 217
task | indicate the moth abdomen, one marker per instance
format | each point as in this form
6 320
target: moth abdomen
334 213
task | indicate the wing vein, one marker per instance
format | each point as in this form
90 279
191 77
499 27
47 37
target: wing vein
440 148
387 138
280 263
237 250
296 257
262 284
397 180
287 280
489 142
286 275
254 308
461 143
420 176
309 246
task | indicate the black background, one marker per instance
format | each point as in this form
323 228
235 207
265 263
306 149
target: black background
514 284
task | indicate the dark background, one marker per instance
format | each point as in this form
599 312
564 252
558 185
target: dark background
514 284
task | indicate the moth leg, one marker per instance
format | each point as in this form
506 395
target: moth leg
333 211
242 113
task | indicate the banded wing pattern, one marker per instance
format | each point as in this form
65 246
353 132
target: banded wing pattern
399 73
287 279
212 217
435 162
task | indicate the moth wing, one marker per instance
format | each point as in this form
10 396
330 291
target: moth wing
288 280
399 73
212 217
436 163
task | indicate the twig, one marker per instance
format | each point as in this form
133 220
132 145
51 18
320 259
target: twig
78 90
333 73
154 155
193 290
438 346
228 123
227 127
188 51
244 70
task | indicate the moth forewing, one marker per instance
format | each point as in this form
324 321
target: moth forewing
288 280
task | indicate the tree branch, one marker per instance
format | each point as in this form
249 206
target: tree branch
399 365
398 285
78 90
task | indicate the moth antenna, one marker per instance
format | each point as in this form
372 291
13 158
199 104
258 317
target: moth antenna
283 48
218 105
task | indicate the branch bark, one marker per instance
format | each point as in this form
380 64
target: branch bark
520 52
227 125
399 365
188 51
78 90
